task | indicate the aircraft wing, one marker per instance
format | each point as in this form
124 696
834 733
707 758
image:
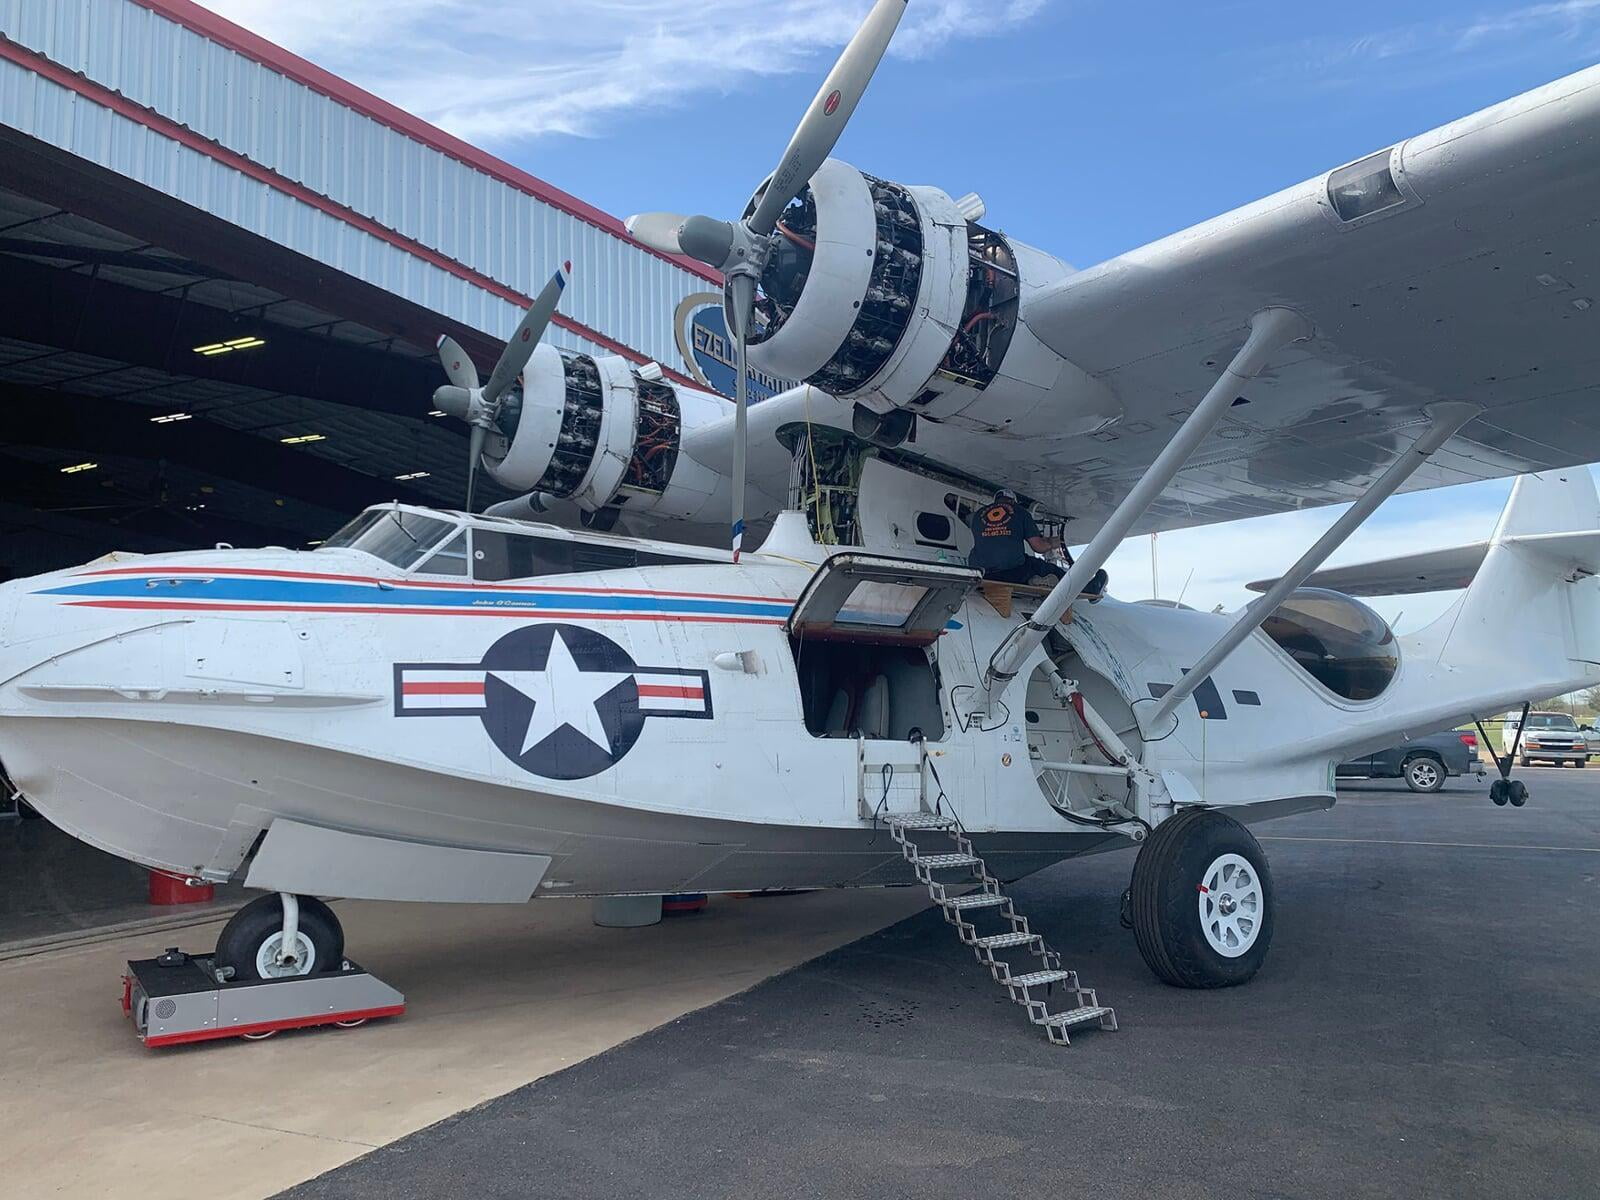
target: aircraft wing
1474 274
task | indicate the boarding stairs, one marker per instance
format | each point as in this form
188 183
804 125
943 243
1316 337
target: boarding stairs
1033 988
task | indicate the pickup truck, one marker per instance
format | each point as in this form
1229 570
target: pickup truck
1424 762
1550 737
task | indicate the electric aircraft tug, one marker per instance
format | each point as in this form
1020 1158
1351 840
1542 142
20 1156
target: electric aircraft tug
463 707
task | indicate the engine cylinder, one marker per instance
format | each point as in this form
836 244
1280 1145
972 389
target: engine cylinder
889 296
592 431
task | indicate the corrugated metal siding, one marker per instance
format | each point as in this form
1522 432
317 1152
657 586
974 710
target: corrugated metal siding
452 208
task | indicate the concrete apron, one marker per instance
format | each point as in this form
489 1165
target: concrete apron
497 997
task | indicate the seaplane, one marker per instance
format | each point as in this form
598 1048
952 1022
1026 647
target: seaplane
578 694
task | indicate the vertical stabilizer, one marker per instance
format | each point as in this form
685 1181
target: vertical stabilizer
1533 605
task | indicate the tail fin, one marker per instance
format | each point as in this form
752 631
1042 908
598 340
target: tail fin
1521 607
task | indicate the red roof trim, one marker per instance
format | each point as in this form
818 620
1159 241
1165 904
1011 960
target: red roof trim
252 46
32 60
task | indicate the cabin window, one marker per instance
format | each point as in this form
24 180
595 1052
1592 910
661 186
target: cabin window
392 534
497 556
1338 641
850 690
934 528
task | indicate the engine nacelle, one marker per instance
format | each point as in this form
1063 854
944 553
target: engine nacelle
596 432
889 296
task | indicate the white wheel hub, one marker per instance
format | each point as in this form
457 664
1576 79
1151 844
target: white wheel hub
269 958
1233 904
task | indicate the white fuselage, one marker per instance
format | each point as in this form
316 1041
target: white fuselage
644 728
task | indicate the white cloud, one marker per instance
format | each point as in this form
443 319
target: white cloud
1563 32
504 73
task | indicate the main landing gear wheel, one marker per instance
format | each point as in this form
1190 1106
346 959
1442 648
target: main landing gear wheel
1517 793
1500 792
1424 773
252 942
1202 901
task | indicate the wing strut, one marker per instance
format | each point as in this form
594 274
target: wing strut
1447 419
1270 330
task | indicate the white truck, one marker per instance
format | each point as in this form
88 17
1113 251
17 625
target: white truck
1549 737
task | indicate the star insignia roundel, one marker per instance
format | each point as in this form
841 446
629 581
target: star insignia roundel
561 701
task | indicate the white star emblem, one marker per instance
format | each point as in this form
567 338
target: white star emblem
563 695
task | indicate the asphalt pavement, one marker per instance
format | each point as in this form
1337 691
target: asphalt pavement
1423 1027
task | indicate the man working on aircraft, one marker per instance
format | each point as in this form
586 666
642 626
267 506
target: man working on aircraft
1002 535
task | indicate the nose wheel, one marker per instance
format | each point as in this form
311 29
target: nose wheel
1507 790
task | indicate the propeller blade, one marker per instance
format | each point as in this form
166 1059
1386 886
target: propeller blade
523 342
458 367
742 298
457 401
818 132
480 434
658 230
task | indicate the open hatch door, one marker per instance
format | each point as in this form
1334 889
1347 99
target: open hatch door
878 600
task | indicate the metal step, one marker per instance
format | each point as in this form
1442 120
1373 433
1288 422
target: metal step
938 862
1040 978
1076 1016
1000 941
1055 1025
973 900
920 820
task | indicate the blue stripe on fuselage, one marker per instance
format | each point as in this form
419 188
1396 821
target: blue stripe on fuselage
227 589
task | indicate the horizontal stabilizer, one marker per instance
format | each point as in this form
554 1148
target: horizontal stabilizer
1575 553
1428 571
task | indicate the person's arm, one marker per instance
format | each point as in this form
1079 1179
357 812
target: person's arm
1029 529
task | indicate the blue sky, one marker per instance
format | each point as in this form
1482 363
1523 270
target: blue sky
1089 126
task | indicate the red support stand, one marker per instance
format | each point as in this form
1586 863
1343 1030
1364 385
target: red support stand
166 889
678 906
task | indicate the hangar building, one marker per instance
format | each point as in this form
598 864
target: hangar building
222 273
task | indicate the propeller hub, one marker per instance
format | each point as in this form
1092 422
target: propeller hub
713 242
456 401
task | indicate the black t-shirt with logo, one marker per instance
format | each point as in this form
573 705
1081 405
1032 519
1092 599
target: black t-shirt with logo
1000 533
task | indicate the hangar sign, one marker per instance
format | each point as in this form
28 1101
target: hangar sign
702 330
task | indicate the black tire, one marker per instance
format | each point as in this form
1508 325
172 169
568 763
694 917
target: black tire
1580 763
1526 761
1424 772
1500 792
257 921
1517 792
1167 878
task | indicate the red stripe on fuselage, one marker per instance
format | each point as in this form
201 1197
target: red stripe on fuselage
441 689
671 693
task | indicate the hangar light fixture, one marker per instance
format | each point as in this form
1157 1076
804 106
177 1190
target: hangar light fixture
212 349
169 418
413 475
302 438
437 412
75 468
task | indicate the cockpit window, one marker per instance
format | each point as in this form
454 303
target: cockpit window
1339 642
398 537
448 559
